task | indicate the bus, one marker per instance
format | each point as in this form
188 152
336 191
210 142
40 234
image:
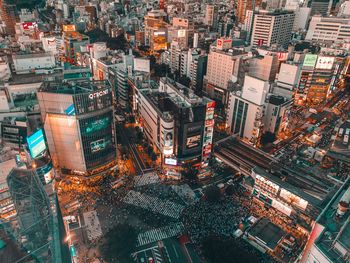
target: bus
341 130
118 183
346 139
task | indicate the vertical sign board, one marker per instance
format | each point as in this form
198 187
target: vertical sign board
208 133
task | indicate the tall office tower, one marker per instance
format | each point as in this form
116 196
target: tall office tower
38 214
211 16
8 14
272 27
79 125
245 110
320 7
243 6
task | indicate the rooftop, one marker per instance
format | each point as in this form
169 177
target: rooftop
267 233
334 239
72 86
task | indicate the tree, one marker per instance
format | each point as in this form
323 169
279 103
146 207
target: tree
230 190
97 35
219 249
189 174
153 157
267 137
118 244
212 193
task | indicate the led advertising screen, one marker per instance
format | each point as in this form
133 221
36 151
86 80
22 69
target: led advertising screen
36 143
170 161
193 141
310 60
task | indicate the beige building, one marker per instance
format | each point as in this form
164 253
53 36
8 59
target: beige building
272 27
223 67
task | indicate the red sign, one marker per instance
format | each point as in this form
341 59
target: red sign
260 42
211 104
29 25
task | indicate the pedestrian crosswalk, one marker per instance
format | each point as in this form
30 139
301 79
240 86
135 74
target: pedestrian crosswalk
161 233
154 204
93 227
146 179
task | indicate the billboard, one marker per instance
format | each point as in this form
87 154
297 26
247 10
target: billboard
36 143
324 62
193 141
168 142
310 60
293 199
170 161
68 28
29 25
141 64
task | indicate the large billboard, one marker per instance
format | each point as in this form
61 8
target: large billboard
36 143
208 132
310 60
168 142
324 62
293 199
193 141
141 64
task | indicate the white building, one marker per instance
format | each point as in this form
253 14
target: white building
223 67
245 109
344 9
29 63
272 27
5 72
302 16
287 80
276 113
334 29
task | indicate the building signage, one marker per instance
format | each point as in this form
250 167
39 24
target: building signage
170 161
324 62
310 60
208 132
98 94
168 142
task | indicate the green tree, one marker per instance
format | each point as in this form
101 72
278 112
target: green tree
212 193
219 249
118 244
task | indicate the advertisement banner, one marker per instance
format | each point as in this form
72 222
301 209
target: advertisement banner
310 60
324 62
168 142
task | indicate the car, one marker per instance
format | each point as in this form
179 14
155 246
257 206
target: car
150 260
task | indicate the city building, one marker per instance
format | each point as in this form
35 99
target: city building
245 109
272 27
177 123
73 41
7 208
211 16
330 29
33 62
223 68
319 77
329 239
264 67
295 192
88 146
41 228
320 7
5 72
243 6
276 113
287 80
197 68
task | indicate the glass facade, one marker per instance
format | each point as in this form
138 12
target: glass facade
239 117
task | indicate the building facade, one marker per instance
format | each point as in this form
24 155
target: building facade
79 125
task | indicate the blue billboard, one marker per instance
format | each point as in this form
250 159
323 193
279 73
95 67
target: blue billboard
36 143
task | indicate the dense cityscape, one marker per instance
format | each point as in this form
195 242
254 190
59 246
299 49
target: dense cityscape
162 131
